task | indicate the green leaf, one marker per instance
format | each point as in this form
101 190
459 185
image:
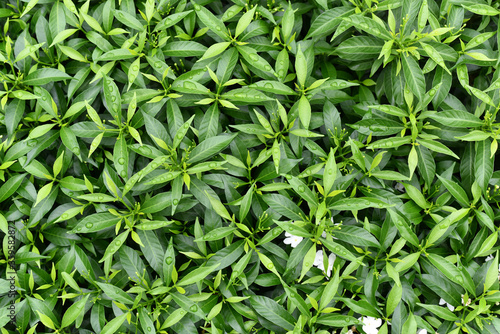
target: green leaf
368 25
437 147
414 76
284 206
215 50
210 21
128 20
457 118
44 76
301 69
403 228
73 312
146 322
440 228
327 21
11 186
251 56
483 165
456 191
337 320
272 311
197 275
346 204
157 203
441 312
393 299
115 293
244 21
210 147
96 222
112 326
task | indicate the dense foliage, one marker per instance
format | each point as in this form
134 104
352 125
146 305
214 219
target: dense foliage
242 166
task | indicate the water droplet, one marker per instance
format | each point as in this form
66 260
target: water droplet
301 189
169 175
149 329
158 64
254 57
218 28
154 165
277 231
268 85
459 279
118 242
135 68
175 201
189 85
89 225
78 228
212 165
100 198
183 312
292 295
270 266
112 249
44 98
123 174
268 68
145 150
32 142
70 193
193 308
169 260
64 216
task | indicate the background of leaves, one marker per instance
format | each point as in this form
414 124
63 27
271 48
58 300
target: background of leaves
154 153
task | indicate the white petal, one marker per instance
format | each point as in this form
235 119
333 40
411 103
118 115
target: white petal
323 234
296 241
442 301
377 322
422 331
318 260
288 234
287 241
489 258
450 307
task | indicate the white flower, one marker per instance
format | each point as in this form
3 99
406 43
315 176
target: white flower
400 187
422 331
450 307
371 324
318 262
349 332
292 240
466 303
323 234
